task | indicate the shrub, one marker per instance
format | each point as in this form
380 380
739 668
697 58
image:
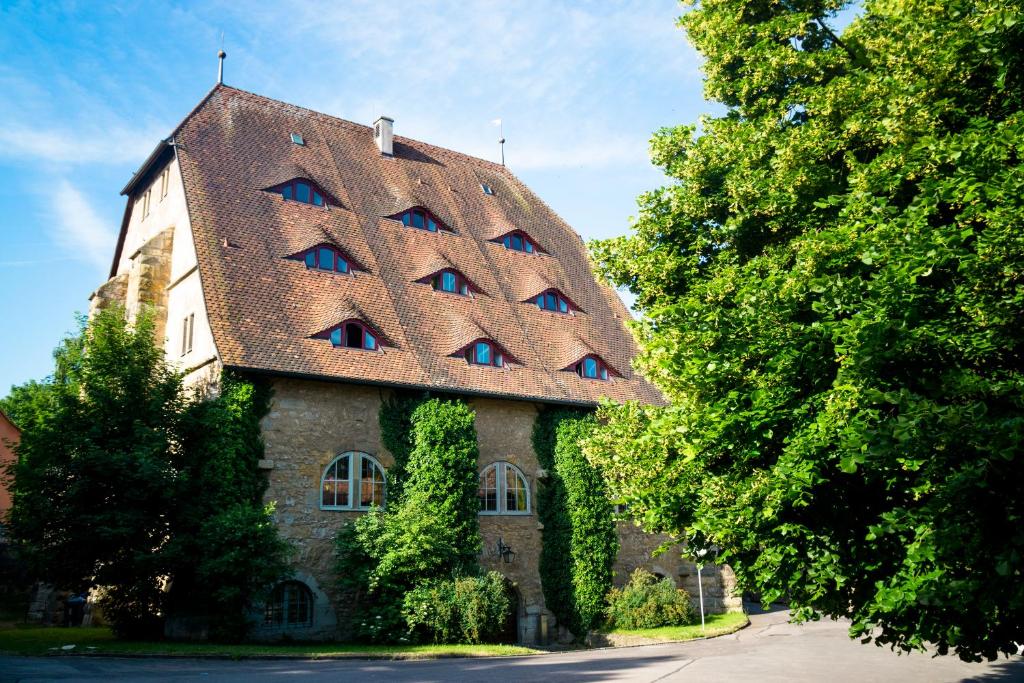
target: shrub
646 602
473 609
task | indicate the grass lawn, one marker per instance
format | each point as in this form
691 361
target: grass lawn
49 641
716 625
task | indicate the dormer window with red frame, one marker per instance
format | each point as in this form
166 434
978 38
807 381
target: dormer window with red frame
421 219
484 352
592 367
449 280
554 301
326 257
303 191
517 240
351 334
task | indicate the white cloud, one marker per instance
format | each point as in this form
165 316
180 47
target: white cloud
78 228
111 146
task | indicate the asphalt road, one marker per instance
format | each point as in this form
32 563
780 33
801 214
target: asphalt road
769 650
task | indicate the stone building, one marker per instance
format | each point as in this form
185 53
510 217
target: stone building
345 263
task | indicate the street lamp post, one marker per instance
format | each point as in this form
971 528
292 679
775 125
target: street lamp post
700 587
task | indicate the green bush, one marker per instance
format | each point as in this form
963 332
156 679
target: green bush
646 602
472 609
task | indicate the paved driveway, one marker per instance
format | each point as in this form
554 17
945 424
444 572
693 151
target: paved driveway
769 650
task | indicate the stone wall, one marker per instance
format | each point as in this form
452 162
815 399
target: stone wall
148 277
311 423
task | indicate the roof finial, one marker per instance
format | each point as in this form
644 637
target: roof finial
501 138
220 60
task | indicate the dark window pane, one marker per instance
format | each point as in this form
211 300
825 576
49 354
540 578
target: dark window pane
562 306
326 258
353 336
302 192
406 218
431 225
286 192
311 259
590 368
317 199
529 246
505 241
604 373
540 301
342 265
336 336
369 341
549 302
464 289
498 360
517 242
417 219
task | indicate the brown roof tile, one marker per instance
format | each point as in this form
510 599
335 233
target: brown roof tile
263 307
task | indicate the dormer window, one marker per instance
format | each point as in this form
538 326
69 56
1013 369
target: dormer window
517 240
421 219
449 280
592 367
554 301
351 334
303 191
484 352
324 257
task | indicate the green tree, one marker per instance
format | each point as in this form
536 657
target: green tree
832 294
123 482
94 470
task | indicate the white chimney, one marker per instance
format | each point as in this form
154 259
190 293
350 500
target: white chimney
384 134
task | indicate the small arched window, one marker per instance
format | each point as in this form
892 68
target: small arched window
303 191
485 352
503 490
325 257
554 301
353 481
290 605
449 280
517 240
421 219
592 367
351 334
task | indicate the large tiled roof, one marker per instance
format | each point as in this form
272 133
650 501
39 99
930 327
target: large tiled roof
263 307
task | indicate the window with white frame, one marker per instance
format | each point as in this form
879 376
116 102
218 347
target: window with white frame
165 180
503 490
188 327
352 481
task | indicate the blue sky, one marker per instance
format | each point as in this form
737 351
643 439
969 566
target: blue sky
87 89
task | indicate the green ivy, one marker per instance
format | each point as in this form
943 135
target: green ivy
395 419
430 533
577 520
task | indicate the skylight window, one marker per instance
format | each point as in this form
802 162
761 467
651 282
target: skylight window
324 257
421 219
351 334
449 280
488 190
517 240
297 139
553 300
303 191
483 352
591 367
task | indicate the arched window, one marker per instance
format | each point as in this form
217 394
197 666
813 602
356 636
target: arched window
351 334
517 240
449 280
290 604
554 301
421 219
302 190
485 352
353 481
324 257
503 490
592 367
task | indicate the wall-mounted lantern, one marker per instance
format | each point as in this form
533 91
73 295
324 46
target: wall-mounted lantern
505 551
